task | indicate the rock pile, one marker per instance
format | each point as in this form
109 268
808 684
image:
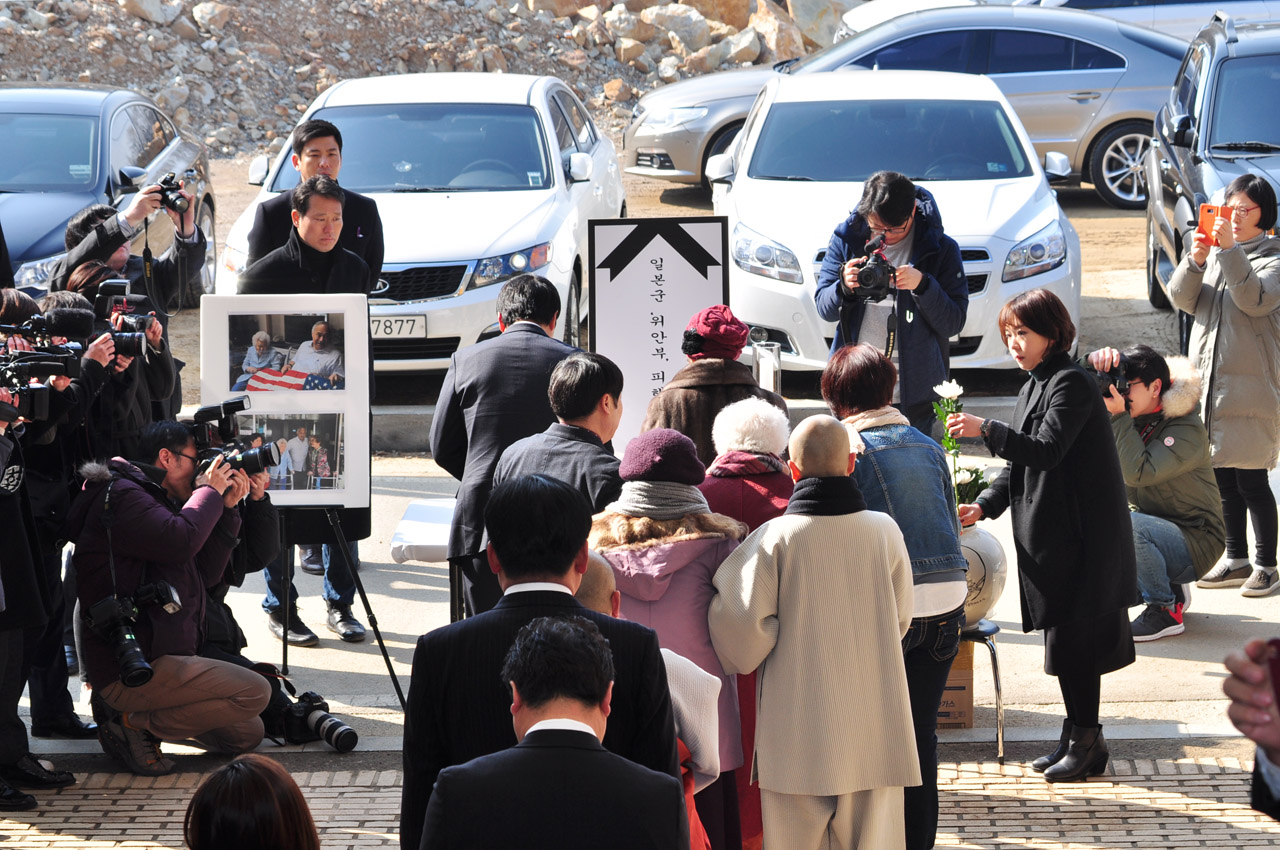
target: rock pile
239 74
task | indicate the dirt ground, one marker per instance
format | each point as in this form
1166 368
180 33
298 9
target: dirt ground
1114 308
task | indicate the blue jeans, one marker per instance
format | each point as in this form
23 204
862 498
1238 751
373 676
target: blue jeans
1163 558
339 586
928 649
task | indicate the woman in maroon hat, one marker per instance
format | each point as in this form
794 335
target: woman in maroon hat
712 380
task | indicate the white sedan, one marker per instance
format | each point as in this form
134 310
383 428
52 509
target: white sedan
797 171
477 177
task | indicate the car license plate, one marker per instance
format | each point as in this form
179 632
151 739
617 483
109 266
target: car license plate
397 327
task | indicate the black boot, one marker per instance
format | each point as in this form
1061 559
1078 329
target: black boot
1087 755
1040 764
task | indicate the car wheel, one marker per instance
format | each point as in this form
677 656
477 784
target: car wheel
1155 292
203 285
1116 165
721 143
572 313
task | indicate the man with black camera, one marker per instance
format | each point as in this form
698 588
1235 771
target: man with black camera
150 537
1178 530
891 245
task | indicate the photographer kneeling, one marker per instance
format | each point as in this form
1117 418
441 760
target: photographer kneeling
1178 532
146 533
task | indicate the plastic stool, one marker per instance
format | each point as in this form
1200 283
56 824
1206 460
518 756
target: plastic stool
985 632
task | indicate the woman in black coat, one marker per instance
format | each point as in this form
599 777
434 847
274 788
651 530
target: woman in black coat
1070 522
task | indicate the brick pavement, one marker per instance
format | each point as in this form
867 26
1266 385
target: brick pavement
1140 803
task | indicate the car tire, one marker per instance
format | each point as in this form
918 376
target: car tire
572 313
1155 292
203 285
1115 164
719 144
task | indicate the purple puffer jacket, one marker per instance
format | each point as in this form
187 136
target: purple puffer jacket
152 539
665 582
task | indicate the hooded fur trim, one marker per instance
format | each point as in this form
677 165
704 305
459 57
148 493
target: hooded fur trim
1183 394
619 531
751 425
95 473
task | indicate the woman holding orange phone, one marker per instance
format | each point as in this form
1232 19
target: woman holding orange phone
1230 283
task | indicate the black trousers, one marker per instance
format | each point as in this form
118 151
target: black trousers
44 661
13 732
1248 491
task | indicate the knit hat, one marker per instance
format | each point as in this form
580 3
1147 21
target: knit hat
662 455
751 425
714 332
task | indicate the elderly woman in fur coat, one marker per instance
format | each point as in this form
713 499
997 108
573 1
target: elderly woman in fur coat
665 545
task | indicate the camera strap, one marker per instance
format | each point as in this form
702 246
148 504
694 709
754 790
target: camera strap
891 329
108 519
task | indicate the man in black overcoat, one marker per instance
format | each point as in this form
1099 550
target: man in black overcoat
459 707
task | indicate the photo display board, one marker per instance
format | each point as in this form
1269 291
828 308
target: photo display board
649 276
303 362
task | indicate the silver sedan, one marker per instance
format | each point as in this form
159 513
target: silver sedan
1083 85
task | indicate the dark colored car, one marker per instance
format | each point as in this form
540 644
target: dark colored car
68 146
1218 123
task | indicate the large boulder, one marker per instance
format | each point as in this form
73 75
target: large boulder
735 13
685 21
155 11
556 8
212 16
627 49
707 59
743 46
623 23
817 19
780 38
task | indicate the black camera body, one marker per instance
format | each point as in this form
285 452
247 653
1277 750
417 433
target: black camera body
875 278
115 618
115 296
30 402
235 456
1113 377
171 193
309 719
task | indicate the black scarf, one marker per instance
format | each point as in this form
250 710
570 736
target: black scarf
826 497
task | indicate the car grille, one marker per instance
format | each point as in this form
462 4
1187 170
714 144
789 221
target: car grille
655 160
977 283
974 255
415 349
423 282
965 345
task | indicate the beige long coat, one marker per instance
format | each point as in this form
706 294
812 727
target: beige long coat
820 604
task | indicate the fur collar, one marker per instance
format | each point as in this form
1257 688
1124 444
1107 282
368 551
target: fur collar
1183 394
619 531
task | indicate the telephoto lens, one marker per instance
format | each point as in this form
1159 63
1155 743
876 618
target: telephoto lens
333 731
130 344
134 669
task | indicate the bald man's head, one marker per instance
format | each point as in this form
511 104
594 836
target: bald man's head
819 448
598 590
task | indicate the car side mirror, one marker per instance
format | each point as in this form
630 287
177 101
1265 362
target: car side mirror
130 178
258 171
1184 131
719 168
1057 168
580 167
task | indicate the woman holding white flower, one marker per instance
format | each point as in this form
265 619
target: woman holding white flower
1071 525
903 473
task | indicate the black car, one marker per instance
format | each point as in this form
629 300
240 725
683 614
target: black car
68 146
1219 122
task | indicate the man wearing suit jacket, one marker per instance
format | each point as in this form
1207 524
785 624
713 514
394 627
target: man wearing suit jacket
586 397
459 708
557 789
1253 711
317 149
494 394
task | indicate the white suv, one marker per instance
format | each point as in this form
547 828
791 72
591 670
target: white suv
477 177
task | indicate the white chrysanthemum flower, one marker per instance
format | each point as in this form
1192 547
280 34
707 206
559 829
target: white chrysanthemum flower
964 476
949 389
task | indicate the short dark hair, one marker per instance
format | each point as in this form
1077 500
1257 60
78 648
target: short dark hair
559 657
165 434
16 306
315 128
858 377
1258 190
528 298
84 221
1143 363
579 382
536 524
64 299
1043 312
87 276
251 803
890 195
320 185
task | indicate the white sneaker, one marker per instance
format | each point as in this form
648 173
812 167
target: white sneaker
1262 582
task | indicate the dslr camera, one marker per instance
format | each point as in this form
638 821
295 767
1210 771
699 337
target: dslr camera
214 430
19 368
171 193
309 719
115 296
1113 377
115 619
875 278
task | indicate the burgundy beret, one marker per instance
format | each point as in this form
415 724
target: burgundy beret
662 455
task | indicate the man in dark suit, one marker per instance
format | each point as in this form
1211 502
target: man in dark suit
558 788
459 708
317 149
586 397
494 394
1253 711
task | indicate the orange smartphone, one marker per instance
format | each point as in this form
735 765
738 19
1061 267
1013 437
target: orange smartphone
1209 214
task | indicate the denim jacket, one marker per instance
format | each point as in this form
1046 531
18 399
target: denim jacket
905 474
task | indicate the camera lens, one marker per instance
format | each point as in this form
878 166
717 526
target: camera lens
130 344
134 669
333 731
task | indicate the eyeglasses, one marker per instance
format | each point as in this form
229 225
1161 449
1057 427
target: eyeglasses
1242 212
893 231
191 458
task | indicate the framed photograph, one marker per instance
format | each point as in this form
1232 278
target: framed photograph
302 363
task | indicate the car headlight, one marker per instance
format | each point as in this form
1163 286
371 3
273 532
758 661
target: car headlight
1038 253
493 269
233 259
758 255
669 119
36 274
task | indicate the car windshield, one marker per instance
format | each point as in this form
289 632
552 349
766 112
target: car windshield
436 147
1243 84
48 153
848 141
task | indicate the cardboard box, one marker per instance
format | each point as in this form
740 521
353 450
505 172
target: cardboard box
956 709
